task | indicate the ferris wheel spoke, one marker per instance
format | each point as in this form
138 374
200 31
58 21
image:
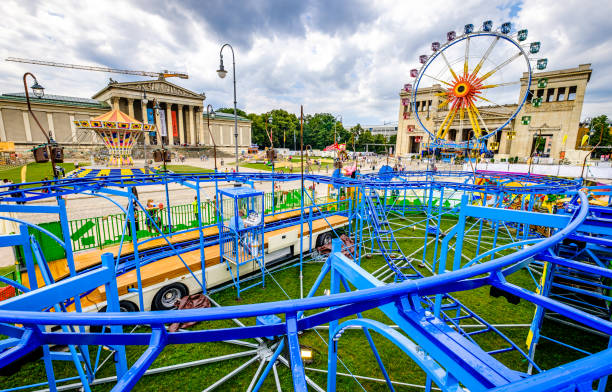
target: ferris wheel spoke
448 115
494 103
444 103
448 124
500 66
484 57
474 121
467 54
499 85
481 119
438 80
461 110
449 66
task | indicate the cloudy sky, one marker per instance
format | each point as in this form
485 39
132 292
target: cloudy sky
343 57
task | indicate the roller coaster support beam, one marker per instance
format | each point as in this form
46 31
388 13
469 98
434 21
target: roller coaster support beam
460 358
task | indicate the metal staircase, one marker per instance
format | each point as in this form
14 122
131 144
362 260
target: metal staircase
387 244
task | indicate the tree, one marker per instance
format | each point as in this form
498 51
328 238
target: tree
239 112
258 133
598 125
365 137
319 130
380 139
283 125
392 139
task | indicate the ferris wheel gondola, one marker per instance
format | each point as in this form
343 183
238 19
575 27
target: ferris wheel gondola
471 74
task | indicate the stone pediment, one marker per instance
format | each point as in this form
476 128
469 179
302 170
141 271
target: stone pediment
155 87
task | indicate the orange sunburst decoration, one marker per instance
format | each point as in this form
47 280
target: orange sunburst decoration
462 94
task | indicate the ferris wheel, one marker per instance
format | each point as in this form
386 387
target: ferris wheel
477 77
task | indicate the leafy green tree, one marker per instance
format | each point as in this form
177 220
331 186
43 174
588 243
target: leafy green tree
392 139
365 137
282 128
319 130
258 134
598 125
380 139
353 137
239 112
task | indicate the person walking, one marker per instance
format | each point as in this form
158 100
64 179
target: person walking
194 206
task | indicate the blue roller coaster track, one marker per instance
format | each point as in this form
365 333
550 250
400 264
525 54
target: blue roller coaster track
567 253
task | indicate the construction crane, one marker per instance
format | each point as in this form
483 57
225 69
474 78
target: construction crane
160 75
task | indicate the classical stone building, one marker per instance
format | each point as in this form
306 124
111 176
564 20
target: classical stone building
181 121
556 115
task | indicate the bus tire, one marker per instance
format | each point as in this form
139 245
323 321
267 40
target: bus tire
124 306
324 239
166 297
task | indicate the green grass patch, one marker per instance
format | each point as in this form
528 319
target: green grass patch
353 348
188 169
36 171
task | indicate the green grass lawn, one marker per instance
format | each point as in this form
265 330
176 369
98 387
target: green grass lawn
35 171
353 348
187 169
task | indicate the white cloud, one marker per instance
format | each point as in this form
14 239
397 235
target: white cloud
352 61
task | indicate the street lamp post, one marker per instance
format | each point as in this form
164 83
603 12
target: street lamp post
144 116
39 92
272 158
210 113
222 73
335 121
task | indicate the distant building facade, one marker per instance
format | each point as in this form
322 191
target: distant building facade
182 115
557 115
387 130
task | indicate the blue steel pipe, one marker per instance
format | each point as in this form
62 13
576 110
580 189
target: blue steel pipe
424 286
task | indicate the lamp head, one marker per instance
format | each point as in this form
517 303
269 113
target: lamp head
270 120
38 90
221 71
212 114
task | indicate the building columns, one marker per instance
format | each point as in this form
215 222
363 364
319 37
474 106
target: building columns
145 120
115 102
26 125
169 124
131 107
158 126
50 124
200 123
181 127
73 129
191 117
2 130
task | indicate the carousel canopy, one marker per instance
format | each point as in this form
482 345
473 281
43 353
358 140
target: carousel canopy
114 120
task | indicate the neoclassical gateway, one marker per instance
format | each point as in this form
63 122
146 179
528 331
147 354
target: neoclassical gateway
181 119
551 111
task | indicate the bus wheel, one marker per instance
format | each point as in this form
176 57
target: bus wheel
124 306
167 296
324 239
